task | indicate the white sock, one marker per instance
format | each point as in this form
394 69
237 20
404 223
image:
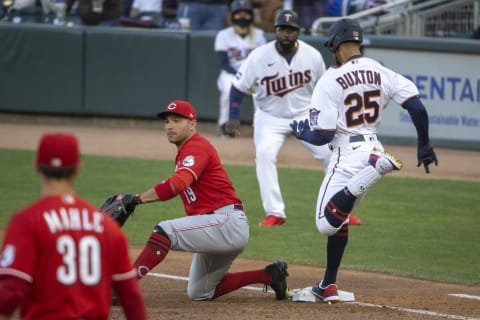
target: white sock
362 181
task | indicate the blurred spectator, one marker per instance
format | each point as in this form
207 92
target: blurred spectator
232 46
476 33
308 11
98 12
127 7
265 12
202 14
152 14
335 7
153 7
35 11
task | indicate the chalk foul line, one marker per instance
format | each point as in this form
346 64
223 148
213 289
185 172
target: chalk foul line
370 305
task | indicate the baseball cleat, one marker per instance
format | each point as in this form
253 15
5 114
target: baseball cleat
354 220
329 294
271 221
384 161
278 271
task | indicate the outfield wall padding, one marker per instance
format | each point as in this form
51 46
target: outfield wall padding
41 68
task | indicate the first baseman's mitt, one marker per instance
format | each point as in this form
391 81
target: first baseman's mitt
120 207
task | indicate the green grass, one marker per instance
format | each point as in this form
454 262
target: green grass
420 228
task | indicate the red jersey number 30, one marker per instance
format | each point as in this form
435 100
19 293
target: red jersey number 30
82 263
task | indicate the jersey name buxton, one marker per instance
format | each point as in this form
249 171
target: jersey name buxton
357 77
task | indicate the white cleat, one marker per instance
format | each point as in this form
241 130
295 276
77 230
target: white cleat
384 161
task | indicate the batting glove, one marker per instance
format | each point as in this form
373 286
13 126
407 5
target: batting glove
426 156
299 128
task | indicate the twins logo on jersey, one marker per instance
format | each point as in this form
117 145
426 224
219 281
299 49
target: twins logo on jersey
313 116
280 86
239 54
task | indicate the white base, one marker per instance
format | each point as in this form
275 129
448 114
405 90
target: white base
305 295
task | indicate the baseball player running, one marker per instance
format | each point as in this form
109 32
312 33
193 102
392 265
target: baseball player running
215 229
232 46
61 255
281 75
345 111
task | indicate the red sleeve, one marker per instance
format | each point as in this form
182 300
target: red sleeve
122 265
181 180
131 299
125 279
12 291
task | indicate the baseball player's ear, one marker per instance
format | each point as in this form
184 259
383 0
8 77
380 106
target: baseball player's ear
78 168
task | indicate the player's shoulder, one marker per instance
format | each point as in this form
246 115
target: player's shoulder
258 32
198 143
196 149
372 62
306 45
264 49
37 206
307 48
226 33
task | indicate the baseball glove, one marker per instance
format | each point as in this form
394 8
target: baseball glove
120 207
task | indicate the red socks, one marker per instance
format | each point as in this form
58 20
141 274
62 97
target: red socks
235 280
154 252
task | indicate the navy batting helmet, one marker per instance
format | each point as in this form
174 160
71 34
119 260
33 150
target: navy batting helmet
344 30
241 5
287 18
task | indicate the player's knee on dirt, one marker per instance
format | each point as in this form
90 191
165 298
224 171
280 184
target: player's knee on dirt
195 293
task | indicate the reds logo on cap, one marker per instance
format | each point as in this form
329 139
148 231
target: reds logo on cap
171 106
180 107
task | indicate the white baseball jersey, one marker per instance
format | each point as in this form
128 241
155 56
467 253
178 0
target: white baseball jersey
280 89
351 98
238 47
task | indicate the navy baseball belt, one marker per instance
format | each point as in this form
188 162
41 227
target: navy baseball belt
351 139
362 138
238 207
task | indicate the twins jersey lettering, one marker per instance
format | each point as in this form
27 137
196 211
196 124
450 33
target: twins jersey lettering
238 47
362 88
279 88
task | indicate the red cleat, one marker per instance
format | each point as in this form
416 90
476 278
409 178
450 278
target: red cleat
271 221
354 220
327 294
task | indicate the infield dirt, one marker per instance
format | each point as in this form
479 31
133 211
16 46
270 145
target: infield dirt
378 296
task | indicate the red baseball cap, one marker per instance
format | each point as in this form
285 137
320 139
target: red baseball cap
58 150
183 108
